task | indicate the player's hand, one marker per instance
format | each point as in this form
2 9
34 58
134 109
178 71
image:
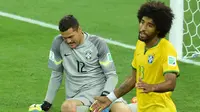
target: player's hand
46 106
100 104
144 86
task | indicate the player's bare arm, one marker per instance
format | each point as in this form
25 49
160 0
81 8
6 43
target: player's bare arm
127 85
103 101
168 85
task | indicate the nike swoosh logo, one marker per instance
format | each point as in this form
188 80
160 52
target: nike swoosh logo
66 54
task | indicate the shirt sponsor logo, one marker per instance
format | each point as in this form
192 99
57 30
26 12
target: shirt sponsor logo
172 60
109 57
52 58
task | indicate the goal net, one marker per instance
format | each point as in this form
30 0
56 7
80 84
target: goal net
191 32
185 31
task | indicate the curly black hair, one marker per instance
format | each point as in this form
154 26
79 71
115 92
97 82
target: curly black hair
161 15
68 21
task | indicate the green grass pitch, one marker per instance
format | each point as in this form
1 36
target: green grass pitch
24 49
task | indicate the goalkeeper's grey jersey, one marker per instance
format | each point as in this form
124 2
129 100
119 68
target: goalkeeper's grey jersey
88 65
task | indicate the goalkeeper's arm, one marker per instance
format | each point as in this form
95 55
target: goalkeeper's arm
54 84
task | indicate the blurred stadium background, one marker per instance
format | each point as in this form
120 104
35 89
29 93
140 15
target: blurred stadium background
24 49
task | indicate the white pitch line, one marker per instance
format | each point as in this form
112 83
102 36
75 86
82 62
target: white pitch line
55 27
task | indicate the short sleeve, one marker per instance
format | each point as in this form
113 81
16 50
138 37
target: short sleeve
170 61
134 61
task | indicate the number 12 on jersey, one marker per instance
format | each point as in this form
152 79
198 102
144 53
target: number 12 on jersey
80 66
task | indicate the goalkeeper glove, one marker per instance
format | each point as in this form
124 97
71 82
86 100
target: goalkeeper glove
46 106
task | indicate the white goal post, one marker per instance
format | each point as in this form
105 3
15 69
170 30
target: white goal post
185 31
176 32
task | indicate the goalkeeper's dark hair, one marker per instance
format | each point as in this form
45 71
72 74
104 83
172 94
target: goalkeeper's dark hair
161 15
68 21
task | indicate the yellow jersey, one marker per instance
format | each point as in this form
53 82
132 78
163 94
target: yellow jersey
151 65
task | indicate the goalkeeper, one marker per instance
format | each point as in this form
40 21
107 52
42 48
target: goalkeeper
88 65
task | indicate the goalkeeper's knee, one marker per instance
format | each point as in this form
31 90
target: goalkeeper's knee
82 109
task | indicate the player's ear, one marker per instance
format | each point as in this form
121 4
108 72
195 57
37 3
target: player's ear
79 29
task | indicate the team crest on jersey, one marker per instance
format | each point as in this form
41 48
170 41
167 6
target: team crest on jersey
150 59
88 54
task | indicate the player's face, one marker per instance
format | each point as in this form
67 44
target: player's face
73 37
147 29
